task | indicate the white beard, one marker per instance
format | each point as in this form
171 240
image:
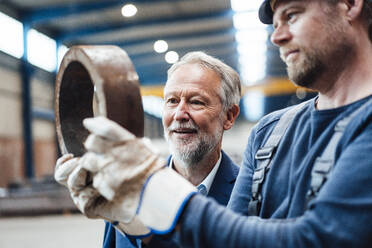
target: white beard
191 152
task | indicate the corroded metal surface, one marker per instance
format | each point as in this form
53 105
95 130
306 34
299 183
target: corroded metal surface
95 80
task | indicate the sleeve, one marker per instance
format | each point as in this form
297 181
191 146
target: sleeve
165 241
339 217
109 236
113 238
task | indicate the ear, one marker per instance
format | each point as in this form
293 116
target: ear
353 8
231 115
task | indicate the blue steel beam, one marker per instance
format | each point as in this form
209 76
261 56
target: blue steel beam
156 72
43 15
149 76
43 114
169 38
212 49
161 66
26 73
110 27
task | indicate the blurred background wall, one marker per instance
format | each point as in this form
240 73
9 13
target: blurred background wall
11 126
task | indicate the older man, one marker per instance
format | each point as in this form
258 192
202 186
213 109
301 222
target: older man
202 97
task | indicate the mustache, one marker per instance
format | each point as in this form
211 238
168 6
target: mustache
179 125
283 51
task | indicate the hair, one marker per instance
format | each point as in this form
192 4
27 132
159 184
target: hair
230 81
366 15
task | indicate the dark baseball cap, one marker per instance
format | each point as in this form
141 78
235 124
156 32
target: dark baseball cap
265 13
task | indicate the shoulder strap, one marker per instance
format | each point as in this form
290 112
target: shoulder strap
265 154
323 164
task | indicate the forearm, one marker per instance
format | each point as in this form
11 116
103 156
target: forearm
206 224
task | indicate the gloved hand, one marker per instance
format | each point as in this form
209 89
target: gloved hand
126 169
120 164
70 173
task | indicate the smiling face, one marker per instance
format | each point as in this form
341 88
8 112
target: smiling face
192 116
311 38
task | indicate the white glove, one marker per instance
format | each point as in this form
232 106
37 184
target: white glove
64 167
123 165
70 173
120 165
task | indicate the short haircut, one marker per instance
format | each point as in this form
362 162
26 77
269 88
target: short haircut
366 14
230 81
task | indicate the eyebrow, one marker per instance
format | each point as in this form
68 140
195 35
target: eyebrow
291 4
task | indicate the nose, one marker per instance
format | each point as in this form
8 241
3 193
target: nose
281 35
182 113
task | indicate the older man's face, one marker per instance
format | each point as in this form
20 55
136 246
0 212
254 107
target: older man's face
192 116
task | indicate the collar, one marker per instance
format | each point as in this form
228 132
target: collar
207 182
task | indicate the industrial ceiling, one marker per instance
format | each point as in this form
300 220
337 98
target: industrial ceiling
186 25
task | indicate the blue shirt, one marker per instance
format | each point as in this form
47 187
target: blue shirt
340 216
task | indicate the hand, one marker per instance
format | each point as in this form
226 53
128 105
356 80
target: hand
69 172
120 164
64 166
126 169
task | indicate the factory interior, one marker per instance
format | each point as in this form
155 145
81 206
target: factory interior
36 34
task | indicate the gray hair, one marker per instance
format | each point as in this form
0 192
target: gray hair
230 82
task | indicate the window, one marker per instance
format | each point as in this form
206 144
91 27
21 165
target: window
11 41
41 50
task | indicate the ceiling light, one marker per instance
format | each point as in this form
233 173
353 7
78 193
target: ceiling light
160 46
128 10
251 36
171 57
244 5
245 20
11 41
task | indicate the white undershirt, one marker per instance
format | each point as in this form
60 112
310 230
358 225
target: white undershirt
207 182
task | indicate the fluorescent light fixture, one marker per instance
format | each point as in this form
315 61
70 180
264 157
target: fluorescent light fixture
257 36
128 10
153 105
251 74
252 67
251 36
41 50
250 51
244 5
160 46
253 105
245 20
11 41
171 57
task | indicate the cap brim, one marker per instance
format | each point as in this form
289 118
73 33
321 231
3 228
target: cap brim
265 13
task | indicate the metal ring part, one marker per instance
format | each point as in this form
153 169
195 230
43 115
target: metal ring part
95 80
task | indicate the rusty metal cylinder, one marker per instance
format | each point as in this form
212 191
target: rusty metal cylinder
91 81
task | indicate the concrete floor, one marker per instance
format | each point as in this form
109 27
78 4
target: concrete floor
57 231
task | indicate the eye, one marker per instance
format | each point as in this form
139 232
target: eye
171 101
292 16
197 102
